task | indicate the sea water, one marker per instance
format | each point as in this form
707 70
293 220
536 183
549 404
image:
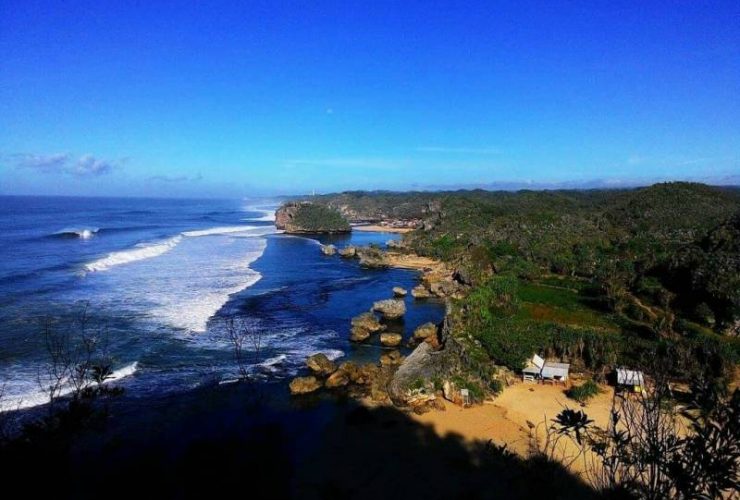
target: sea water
158 279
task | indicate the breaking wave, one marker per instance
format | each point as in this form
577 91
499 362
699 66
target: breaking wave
139 252
83 233
155 249
31 397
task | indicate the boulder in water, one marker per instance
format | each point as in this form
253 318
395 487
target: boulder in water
320 365
390 339
337 379
348 252
390 308
328 249
399 291
304 385
363 326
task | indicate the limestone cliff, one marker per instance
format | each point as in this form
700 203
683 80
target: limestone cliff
306 217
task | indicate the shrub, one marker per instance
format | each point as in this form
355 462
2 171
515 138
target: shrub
496 386
584 392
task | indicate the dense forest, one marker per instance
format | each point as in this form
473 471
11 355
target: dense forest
598 277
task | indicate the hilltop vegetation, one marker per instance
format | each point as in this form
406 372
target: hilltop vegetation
596 277
310 218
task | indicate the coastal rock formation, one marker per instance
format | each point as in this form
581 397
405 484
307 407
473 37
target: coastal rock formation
390 339
365 325
399 292
371 257
392 358
420 292
320 365
348 252
304 385
339 378
390 308
452 393
444 288
427 363
427 333
328 249
307 217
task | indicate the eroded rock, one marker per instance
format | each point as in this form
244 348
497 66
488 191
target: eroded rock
328 249
390 339
304 385
420 292
320 365
390 308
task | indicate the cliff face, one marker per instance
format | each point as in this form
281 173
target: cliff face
306 217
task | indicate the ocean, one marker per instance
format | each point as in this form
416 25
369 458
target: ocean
158 280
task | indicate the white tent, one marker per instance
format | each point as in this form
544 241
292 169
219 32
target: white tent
630 377
533 368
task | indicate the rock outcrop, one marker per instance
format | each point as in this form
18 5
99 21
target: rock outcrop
304 385
371 257
339 378
399 291
320 365
307 217
420 292
348 252
427 333
426 363
392 358
328 249
390 308
390 339
363 326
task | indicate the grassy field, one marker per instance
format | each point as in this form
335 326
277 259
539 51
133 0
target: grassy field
546 302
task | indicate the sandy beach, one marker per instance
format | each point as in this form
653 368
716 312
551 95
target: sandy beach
376 228
507 419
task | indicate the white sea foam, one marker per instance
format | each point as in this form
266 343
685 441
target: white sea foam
155 249
139 252
268 216
218 230
28 397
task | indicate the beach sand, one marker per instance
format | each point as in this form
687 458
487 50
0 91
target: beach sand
375 228
508 418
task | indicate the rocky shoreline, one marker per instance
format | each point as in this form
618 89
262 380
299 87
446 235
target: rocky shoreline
431 373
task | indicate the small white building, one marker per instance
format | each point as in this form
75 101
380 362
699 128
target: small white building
538 368
630 378
556 372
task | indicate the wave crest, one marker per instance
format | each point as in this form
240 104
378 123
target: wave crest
82 233
140 252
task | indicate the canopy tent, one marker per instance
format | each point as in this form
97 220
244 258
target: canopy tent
632 378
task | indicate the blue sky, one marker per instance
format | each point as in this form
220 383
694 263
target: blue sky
237 98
